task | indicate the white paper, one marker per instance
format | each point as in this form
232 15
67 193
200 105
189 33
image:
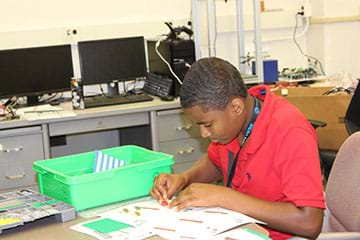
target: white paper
194 223
43 112
123 234
240 233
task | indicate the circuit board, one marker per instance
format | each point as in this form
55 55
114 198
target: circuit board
20 207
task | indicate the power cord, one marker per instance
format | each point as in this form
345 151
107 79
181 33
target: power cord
308 57
9 107
157 44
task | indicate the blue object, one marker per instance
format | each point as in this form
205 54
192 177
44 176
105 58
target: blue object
271 74
105 162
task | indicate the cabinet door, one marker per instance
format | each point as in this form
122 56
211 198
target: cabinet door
18 150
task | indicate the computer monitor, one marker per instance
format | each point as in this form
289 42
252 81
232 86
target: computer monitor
35 71
352 117
112 60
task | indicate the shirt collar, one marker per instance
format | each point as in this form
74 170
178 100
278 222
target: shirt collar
258 133
257 136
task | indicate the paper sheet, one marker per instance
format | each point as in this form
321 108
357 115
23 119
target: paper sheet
194 223
106 231
43 112
239 234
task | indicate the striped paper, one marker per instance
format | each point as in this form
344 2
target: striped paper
104 162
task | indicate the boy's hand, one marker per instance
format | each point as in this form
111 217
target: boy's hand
198 195
166 186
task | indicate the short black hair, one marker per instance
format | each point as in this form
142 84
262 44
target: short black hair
211 83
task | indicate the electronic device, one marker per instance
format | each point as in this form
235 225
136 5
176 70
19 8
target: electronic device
111 61
26 206
179 53
158 85
99 101
35 71
352 116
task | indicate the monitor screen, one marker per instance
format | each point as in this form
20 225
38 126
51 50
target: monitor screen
352 117
35 71
112 60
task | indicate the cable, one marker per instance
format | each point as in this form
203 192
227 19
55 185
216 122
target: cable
306 28
187 65
300 49
101 90
164 60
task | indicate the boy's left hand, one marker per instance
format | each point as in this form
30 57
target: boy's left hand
198 195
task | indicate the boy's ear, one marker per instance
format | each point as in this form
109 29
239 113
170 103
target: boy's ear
237 105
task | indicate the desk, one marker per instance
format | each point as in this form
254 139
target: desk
161 122
48 228
28 141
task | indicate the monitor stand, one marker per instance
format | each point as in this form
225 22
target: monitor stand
32 100
113 89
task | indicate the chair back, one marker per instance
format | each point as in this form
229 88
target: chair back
343 188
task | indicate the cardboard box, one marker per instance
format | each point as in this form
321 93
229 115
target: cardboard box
327 108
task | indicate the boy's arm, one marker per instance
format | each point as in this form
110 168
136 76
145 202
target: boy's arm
281 216
203 171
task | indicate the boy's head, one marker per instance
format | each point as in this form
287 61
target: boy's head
211 83
214 95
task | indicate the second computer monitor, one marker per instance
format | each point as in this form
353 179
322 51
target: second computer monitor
112 60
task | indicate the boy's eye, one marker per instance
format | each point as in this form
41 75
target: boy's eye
207 125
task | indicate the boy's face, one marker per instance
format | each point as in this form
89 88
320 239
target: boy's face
220 126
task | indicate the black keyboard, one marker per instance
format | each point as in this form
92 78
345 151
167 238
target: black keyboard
158 85
99 101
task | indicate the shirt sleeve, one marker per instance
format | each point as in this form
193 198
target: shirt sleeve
299 167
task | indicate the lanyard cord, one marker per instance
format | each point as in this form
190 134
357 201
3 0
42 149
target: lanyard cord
256 111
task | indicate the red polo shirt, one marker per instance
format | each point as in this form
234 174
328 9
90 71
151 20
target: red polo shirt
280 161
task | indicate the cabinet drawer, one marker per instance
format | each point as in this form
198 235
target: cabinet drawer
16 176
175 125
17 154
185 150
98 123
21 149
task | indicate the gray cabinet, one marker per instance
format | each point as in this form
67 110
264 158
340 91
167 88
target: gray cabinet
178 136
19 148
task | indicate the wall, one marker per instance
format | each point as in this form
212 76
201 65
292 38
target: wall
332 37
342 37
39 22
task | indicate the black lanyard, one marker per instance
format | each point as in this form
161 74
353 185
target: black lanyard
249 128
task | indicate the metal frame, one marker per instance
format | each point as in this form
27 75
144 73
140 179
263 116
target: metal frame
211 20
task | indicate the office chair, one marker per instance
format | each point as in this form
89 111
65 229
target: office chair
342 215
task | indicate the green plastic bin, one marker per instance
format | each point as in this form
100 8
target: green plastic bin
71 178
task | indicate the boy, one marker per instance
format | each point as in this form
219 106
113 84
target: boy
261 146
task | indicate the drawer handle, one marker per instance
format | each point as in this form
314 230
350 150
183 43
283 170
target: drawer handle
187 151
7 150
190 150
186 127
16 177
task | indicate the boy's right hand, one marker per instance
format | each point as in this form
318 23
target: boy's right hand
166 186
